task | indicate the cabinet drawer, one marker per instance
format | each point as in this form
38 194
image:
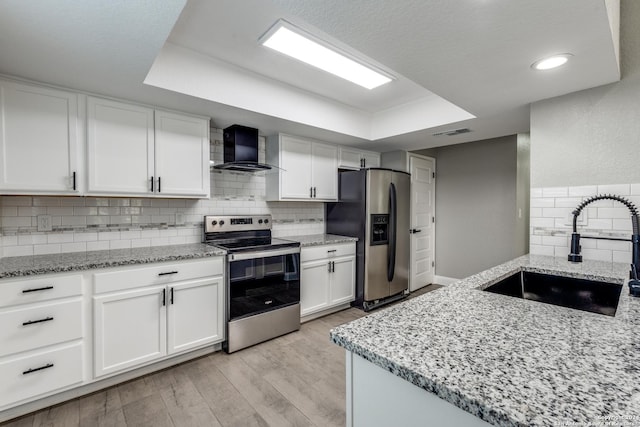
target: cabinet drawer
43 288
35 326
40 373
156 274
311 253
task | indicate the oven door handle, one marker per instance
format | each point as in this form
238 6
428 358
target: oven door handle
264 254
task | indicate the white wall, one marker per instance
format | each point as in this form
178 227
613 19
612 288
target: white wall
587 143
91 223
592 136
477 224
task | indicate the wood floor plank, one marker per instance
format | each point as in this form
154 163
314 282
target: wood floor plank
102 402
263 397
113 418
147 411
63 415
25 421
137 389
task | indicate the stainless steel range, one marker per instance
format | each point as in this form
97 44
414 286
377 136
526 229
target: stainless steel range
263 279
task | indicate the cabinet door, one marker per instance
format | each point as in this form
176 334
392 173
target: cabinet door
38 139
130 329
119 148
343 280
196 314
325 171
181 155
314 286
350 159
371 160
295 159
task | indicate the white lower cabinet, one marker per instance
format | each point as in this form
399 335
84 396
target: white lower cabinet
42 338
130 328
191 320
180 311
327 277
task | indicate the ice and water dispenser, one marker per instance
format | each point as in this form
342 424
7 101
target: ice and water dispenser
379 229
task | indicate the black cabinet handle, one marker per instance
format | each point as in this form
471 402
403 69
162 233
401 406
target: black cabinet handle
314 192
159 185
310 192
31 322
329 266
167 273
171 296
30 371
164 297
332 250
333 266
44 288
152 184
415 230
74 180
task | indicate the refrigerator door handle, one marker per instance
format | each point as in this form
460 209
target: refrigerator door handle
391 253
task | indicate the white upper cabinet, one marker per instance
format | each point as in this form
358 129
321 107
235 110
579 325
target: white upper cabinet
351 158
120 142
181 155
133 150
308 169
38 140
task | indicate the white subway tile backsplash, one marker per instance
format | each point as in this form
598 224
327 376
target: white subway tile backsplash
17 201
46 249
543 202
73 247
617 189
140 243
584 191
85 237
555 192
617 212
605 218
60 238
98 246
119 244
10 251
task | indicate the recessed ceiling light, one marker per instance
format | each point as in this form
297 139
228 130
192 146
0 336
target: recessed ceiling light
292 41
551 61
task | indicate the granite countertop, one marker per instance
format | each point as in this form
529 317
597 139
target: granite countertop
509 361
321 239
76 261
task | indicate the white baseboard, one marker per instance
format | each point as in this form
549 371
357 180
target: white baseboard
443 280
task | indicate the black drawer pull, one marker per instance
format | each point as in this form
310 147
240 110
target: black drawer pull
26 291
31 322
167 273
171 297
30 371
332 250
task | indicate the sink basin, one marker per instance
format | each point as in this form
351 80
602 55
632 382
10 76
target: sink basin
580 294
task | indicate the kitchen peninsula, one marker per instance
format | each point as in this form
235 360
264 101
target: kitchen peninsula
461 356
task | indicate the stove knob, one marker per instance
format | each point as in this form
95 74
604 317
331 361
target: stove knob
266 221
259 221
221 223
214 222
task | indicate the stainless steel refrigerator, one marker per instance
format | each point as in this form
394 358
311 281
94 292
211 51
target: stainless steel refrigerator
374 206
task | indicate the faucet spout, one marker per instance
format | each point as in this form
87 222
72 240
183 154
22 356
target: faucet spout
574 255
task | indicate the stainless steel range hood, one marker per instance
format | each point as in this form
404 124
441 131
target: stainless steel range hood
241 150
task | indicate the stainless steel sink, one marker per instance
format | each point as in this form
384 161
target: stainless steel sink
580 294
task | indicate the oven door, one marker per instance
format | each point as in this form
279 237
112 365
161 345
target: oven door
263 281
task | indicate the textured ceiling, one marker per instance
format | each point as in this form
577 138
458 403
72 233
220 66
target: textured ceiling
473 54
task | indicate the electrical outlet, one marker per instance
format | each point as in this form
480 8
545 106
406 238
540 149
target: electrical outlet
179 218
44 223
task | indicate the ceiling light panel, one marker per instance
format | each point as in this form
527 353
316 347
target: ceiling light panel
292 41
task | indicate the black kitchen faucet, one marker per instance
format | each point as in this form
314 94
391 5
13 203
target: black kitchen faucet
574 256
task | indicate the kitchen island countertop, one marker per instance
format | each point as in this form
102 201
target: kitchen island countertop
509 361
77 261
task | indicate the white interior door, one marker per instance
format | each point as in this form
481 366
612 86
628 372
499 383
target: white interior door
422 221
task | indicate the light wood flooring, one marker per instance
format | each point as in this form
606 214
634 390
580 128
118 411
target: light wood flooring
294 380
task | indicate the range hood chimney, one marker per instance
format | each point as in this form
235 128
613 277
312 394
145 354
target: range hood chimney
241 150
